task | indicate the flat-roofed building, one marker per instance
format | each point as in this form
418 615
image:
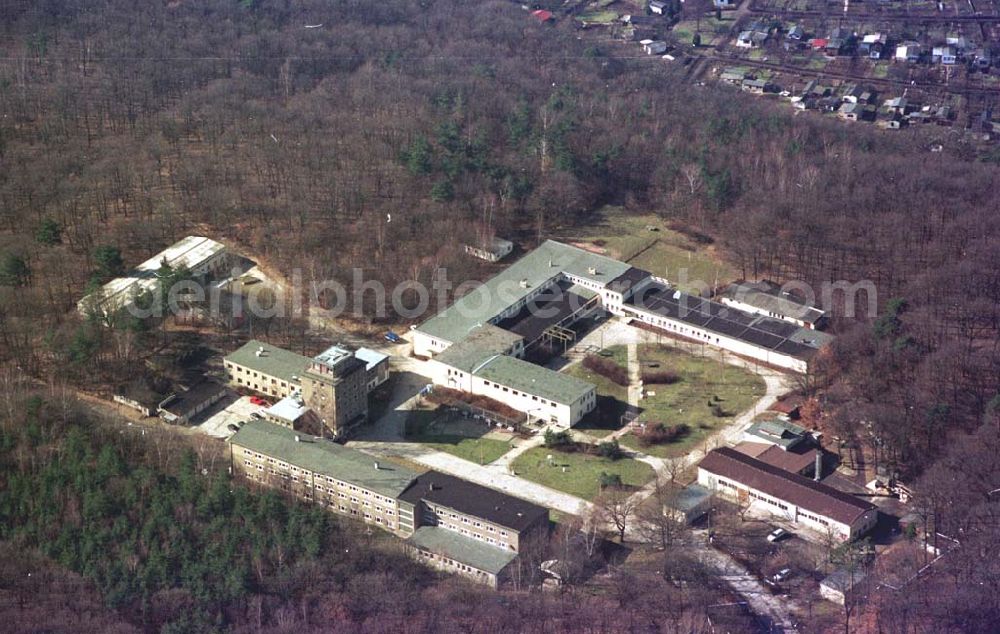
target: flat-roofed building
197 254
179 408
376 366
786 495
470 529
768 298
318 470
266 369
491 250
335 387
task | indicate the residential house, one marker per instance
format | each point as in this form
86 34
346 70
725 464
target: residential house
908 52
982 59
751 39
726 4
896 105
659 7
734 76
796 33
872 45
757 86
944 55
543 16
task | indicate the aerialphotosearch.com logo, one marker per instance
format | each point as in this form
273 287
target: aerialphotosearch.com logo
412 300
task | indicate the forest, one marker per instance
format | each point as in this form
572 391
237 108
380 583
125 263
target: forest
394 131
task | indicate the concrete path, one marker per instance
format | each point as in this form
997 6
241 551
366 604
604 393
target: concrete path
634 375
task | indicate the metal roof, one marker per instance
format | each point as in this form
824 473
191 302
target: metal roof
516 282
465 550
324 457
769 296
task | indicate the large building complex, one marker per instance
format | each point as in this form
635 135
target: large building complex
449 523
784 494
197 254
475 344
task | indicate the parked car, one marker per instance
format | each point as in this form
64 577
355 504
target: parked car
392 337
781 575
256 416
259 402
777 535
232 427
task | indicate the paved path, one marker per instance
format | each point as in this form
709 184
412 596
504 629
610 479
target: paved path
494 476
634 375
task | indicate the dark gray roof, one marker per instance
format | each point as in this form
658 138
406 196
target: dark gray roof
472 499
761 331
189 401
768 296
547 309
803 492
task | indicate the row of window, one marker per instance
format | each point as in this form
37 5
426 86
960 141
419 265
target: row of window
451 563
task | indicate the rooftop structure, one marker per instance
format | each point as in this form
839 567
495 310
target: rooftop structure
483 342
782 433
192 253
371 358
289 409
324 457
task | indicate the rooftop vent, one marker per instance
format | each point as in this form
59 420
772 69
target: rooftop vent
260 351
298 438
592 270
376 465
551 264
524 283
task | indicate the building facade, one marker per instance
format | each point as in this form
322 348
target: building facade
335 387
786 495
265 369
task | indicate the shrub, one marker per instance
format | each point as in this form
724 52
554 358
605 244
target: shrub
660 377
718 412
659 434
610 480
611 450
606 368
557 438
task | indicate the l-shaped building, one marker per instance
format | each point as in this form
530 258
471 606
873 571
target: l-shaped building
448 523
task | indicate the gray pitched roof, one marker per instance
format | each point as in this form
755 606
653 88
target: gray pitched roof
515 283
274 361
462 549
324 457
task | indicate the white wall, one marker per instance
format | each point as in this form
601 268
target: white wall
537 408
719 341
792 512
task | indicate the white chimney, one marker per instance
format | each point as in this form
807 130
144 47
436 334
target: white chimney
592 270
819 466
524 283
376 465
298 438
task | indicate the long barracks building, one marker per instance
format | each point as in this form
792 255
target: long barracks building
448 523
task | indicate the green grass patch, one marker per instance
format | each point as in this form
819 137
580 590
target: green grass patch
597 17
612 400
816 63
881 70
456 435
687 401
578 473
664 252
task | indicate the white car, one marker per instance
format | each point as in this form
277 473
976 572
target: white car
777 534
781 575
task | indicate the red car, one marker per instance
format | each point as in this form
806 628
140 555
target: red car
258 401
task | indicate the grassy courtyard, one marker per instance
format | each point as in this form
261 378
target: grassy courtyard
612 399
703 382
578 473
664 252
461 437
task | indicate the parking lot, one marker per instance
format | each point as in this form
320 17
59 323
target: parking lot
230 410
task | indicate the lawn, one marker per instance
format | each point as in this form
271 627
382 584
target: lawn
578 473
456 435
663 252
612 399
687 401
598 17
881 70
